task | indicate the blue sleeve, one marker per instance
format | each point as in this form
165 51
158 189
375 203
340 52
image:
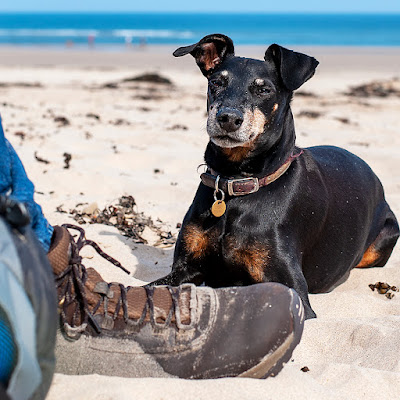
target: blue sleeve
15 182
5 171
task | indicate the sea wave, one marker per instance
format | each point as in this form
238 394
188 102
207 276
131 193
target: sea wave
80 33
48 32
153 33
185 28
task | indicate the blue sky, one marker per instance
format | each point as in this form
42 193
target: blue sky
370 6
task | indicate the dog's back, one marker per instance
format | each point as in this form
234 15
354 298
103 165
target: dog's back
356 217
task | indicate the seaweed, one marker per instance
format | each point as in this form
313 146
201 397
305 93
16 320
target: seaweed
128 221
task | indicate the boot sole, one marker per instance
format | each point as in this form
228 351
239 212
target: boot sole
273 362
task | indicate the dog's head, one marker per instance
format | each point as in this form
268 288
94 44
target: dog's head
247 97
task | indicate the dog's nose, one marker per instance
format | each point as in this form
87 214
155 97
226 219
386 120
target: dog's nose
229 119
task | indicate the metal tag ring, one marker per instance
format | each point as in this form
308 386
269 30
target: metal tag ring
200 166
218 190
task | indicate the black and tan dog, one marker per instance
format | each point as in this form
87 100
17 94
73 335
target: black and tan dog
265 209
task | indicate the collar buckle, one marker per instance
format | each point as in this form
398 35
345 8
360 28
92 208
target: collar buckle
238 183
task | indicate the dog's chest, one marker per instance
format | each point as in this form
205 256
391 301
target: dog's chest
225 247
201 242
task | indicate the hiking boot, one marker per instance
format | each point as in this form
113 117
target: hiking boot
78 288
186 331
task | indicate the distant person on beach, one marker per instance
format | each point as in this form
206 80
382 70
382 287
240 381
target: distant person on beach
128 41
91 40
110 329
142 42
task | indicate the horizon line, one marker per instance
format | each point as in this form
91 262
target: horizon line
380 12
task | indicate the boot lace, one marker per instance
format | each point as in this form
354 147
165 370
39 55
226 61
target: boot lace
72 294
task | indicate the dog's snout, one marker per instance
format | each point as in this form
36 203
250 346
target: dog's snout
229 119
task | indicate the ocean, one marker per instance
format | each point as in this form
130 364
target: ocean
113 30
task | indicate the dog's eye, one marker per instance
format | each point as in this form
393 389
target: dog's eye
217 84
262 90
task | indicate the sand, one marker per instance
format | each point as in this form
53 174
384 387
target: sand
147 141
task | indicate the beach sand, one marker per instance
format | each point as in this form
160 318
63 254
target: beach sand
147 140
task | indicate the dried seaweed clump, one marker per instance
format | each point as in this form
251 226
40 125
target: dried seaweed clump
376 89
129 222
384 288
149 78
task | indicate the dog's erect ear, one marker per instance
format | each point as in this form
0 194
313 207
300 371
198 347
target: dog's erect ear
209 53
294 68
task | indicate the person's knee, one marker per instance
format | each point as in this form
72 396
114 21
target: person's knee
28 299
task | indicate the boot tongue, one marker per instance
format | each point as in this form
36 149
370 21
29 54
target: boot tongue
136 301
162 301
136 297
162 304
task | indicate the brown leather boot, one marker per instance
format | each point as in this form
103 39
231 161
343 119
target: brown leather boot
185 331
80 290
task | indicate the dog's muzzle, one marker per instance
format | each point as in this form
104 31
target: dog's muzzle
229 119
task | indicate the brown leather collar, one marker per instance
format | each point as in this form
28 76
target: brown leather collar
243 186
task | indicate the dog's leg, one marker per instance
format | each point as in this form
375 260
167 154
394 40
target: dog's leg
185 269
290 274
178 276
380 250
297 281
309 312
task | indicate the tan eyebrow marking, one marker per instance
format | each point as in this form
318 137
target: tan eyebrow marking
259 82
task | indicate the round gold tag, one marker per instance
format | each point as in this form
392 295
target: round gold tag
218 208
